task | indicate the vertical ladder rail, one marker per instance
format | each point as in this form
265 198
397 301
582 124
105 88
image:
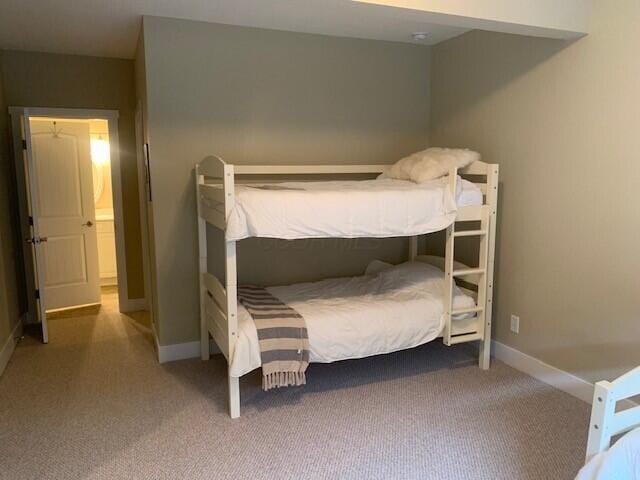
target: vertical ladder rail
231 288
482 284
490 246
448 264
202 269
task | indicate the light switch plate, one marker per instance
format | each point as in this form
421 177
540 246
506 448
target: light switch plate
515 324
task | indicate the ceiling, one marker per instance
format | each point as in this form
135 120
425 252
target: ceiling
110 27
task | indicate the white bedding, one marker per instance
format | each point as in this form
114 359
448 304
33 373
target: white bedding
346 209
620 462
397 308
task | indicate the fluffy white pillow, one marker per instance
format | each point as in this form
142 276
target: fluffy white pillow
438 262
431 163
460 300
377 266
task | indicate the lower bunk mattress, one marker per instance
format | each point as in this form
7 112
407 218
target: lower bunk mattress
389 308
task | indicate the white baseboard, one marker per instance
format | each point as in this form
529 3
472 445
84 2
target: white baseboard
178 351
181 351
565 381
10 345
133 305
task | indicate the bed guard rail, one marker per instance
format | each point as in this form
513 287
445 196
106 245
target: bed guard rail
606 422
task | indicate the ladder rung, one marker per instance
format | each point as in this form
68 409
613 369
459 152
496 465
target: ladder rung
462 311
469 233
467 337
468 271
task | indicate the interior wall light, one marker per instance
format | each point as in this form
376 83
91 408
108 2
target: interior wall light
99 151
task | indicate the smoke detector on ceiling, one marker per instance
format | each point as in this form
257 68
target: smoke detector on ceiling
419 36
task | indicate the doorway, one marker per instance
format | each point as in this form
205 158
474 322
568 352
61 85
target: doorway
72 210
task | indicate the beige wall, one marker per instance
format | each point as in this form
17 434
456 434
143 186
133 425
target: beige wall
264 96
562 119
50 80
10 256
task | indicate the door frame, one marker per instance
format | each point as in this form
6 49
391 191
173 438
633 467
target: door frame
143 188
124 304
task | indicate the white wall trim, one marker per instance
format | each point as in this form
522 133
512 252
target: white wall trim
178 351
10 345
156 342
181 351
564 381
133 305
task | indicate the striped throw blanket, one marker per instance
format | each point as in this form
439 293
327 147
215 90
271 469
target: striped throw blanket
282 333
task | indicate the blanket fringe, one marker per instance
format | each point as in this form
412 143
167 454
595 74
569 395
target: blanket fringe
283 379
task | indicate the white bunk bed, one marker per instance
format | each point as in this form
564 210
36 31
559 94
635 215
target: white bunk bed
225 200
622 461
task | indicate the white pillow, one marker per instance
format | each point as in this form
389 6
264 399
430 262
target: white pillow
438 262
431 163
377 266
460 300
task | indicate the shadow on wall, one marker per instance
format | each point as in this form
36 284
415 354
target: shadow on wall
14 259
490 73
609 367
265 261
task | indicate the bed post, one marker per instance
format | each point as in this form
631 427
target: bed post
448 262
413 247
231 287
202 269
487 255
602 411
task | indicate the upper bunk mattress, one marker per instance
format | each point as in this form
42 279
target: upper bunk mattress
346 209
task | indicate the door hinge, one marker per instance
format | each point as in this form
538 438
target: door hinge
30 220
24 144
37 294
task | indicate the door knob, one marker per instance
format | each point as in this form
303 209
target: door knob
36 240
88 224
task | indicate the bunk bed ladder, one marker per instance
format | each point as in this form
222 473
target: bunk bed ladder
483 273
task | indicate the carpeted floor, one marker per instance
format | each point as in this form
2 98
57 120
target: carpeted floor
94 404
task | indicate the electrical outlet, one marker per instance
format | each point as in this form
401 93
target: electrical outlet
515 324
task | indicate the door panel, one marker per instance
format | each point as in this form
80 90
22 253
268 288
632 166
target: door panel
57 165
64 260
63 203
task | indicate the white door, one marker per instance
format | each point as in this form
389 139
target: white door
62 207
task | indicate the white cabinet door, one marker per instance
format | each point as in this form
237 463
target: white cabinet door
107 252
61 184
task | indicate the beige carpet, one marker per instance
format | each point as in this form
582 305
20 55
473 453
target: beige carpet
95 404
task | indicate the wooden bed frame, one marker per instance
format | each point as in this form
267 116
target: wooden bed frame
605 421
215 185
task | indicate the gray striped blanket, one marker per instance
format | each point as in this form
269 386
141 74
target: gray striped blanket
282 333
